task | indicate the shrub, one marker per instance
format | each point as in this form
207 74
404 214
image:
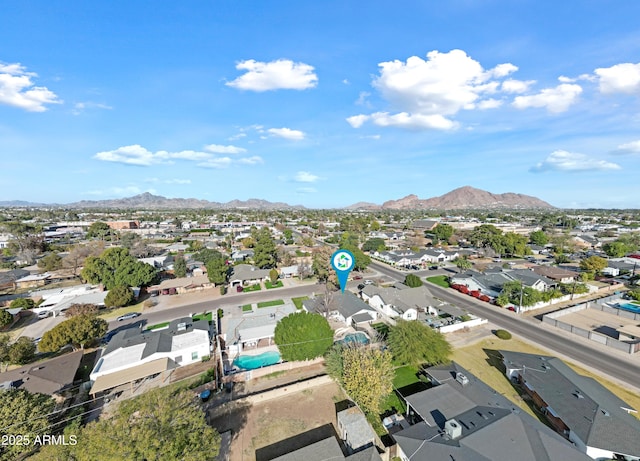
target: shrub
503 334
23 303
223 289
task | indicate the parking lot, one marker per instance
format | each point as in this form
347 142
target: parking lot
595 320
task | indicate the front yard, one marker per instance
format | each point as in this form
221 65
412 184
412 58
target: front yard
275 302
440 280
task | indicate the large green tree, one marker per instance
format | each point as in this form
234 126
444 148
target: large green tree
119 296
116 266
265 253
179 266
99 230
442 232
25 414
514 292
5 318
367 376
51 262
216 264
538 238
617 249
303 336
373 244
415 343
164 424
79 331
22 351
593 264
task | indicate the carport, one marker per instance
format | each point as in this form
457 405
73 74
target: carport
130 375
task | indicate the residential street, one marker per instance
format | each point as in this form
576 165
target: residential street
606 362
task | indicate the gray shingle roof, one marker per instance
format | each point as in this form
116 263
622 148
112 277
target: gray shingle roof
591 411
492 428
155 341
346 303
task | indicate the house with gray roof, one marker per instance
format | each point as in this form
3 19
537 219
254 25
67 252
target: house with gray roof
134 354
491 282
343 306
463 419
246 274
580 408
51 377
393 302
328 449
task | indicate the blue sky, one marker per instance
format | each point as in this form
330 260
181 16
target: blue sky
323 104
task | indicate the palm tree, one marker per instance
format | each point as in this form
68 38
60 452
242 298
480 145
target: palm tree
462 264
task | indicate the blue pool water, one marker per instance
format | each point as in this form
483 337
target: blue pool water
630 307
251 362
358 338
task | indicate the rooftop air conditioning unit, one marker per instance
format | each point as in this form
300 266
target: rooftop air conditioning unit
462 379
453 429
182 326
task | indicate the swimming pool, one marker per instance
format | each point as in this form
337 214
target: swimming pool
357 338
251 362
630 307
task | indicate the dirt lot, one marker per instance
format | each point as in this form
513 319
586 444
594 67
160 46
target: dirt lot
592 319
265 424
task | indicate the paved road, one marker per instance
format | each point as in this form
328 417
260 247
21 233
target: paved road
611 364
165 314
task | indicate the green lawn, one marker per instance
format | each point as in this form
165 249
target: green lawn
255 287
298 301
275 302
440 280
247 308
405 376
208 317
159 325
270 285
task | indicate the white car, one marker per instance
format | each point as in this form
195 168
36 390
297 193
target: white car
368 282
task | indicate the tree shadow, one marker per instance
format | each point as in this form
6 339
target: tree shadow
231 416
296 442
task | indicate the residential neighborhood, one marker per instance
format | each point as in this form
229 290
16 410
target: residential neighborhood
213 310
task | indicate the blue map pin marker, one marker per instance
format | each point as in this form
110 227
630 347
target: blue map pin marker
343 262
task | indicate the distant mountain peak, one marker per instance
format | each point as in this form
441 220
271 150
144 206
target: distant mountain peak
466 197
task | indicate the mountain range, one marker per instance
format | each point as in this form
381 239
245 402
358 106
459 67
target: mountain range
462 198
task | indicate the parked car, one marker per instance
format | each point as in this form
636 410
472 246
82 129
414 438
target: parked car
433 268
368 282
357 277
130 315
239 289
44 314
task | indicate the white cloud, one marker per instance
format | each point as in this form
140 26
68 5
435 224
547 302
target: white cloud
255 160
413 121
356 121
427 93
237 136
17 89
80 107
555 100
621 78
363 99
305 176
168 181
138 155
632 147
286 133
216 163
130 155
489 104
561 160
219 149
274 75
516 86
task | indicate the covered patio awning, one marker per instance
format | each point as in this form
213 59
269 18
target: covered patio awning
118 378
